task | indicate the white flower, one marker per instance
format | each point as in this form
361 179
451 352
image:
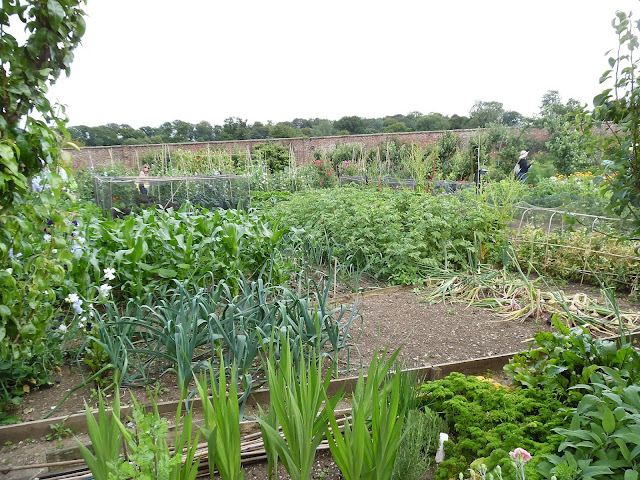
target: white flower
76 247
54 250
63 328
72 298
105 289
9 271
47 238
109 273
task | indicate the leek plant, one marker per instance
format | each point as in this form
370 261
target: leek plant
177 330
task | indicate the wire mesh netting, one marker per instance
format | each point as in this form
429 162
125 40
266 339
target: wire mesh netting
121 195
577 246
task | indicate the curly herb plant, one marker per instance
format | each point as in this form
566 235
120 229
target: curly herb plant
487 421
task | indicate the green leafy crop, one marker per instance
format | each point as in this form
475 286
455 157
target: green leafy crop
487 421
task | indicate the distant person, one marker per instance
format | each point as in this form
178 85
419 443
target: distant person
144 187
523 166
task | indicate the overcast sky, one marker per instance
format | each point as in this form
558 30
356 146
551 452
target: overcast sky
145 62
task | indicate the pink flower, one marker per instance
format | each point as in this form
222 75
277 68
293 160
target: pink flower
520 454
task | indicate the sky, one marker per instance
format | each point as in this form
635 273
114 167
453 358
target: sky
146 62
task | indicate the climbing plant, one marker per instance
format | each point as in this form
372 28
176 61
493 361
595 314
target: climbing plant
616 110
30 125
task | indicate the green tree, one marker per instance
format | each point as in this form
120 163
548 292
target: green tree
433 121
203 132
484 113
354 125
323 128
234 128
31 136
282 130
396 127
568 141
80 134
459 122
260 130
513 118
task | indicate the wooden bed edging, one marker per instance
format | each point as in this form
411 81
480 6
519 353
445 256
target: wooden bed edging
77 422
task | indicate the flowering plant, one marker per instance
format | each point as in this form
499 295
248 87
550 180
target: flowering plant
348 168
323 173
520 456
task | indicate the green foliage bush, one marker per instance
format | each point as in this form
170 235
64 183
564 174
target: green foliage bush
401 232
37 248
561 361
598 381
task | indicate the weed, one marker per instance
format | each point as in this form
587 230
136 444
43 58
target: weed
58 431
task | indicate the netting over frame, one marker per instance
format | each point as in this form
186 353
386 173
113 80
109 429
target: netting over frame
576 245
121 195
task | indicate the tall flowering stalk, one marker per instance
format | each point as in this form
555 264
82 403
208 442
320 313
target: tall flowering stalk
519 457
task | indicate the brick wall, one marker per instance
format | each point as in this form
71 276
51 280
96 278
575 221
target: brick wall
303 148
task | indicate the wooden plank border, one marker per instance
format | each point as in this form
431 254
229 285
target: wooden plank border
77 422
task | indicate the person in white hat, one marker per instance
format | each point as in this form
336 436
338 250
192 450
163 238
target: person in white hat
523 166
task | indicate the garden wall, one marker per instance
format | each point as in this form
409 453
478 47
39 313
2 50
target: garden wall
302 148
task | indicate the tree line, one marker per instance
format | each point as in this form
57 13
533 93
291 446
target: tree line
481 115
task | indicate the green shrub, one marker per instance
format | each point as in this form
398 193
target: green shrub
418 445
560 362
38 244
